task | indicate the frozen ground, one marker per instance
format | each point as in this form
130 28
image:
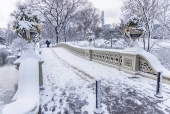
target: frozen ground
69 83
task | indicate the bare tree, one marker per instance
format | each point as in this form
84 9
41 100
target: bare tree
164 18
48 31
88 18
58 12
10 35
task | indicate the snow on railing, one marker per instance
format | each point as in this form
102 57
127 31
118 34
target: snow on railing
26 99
141 62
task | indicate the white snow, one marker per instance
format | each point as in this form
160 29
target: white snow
2 46
22 106
71 79
29 54
25 25
65 74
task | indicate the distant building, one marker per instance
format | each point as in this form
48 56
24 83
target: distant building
104 26
102 18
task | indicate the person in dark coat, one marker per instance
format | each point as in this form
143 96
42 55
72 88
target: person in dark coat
48 43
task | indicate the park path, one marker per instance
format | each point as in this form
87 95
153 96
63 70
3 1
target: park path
69 83
64 85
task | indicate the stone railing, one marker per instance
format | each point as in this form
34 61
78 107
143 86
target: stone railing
26 100
142 63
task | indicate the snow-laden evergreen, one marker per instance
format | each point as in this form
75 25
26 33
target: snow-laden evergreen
25 19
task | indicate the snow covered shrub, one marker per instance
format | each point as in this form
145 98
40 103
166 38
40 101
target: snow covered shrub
18 46
10 59
90 36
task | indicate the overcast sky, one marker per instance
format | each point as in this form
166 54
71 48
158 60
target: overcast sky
111 8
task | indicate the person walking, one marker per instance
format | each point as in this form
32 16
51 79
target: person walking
48 43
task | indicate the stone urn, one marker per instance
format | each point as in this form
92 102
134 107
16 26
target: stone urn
133 33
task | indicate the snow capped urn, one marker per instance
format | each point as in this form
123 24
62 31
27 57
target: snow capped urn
134 29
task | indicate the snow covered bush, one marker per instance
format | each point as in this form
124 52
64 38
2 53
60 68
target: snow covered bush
25 19
90 36
18 46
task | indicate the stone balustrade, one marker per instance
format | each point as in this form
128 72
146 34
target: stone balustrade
141 63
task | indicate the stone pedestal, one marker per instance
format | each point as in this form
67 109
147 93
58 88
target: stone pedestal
32 54
130 63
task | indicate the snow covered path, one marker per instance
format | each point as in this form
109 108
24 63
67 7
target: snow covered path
70 87
63 83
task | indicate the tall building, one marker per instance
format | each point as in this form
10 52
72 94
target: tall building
104 26
102 19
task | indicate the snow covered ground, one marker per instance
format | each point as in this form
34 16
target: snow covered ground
69 83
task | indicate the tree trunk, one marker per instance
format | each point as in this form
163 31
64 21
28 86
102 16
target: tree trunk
65 39
56 38
144 45
56 31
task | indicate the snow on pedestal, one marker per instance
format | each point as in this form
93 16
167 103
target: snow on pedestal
136 48
30 53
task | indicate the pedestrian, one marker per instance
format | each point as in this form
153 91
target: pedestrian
48 43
